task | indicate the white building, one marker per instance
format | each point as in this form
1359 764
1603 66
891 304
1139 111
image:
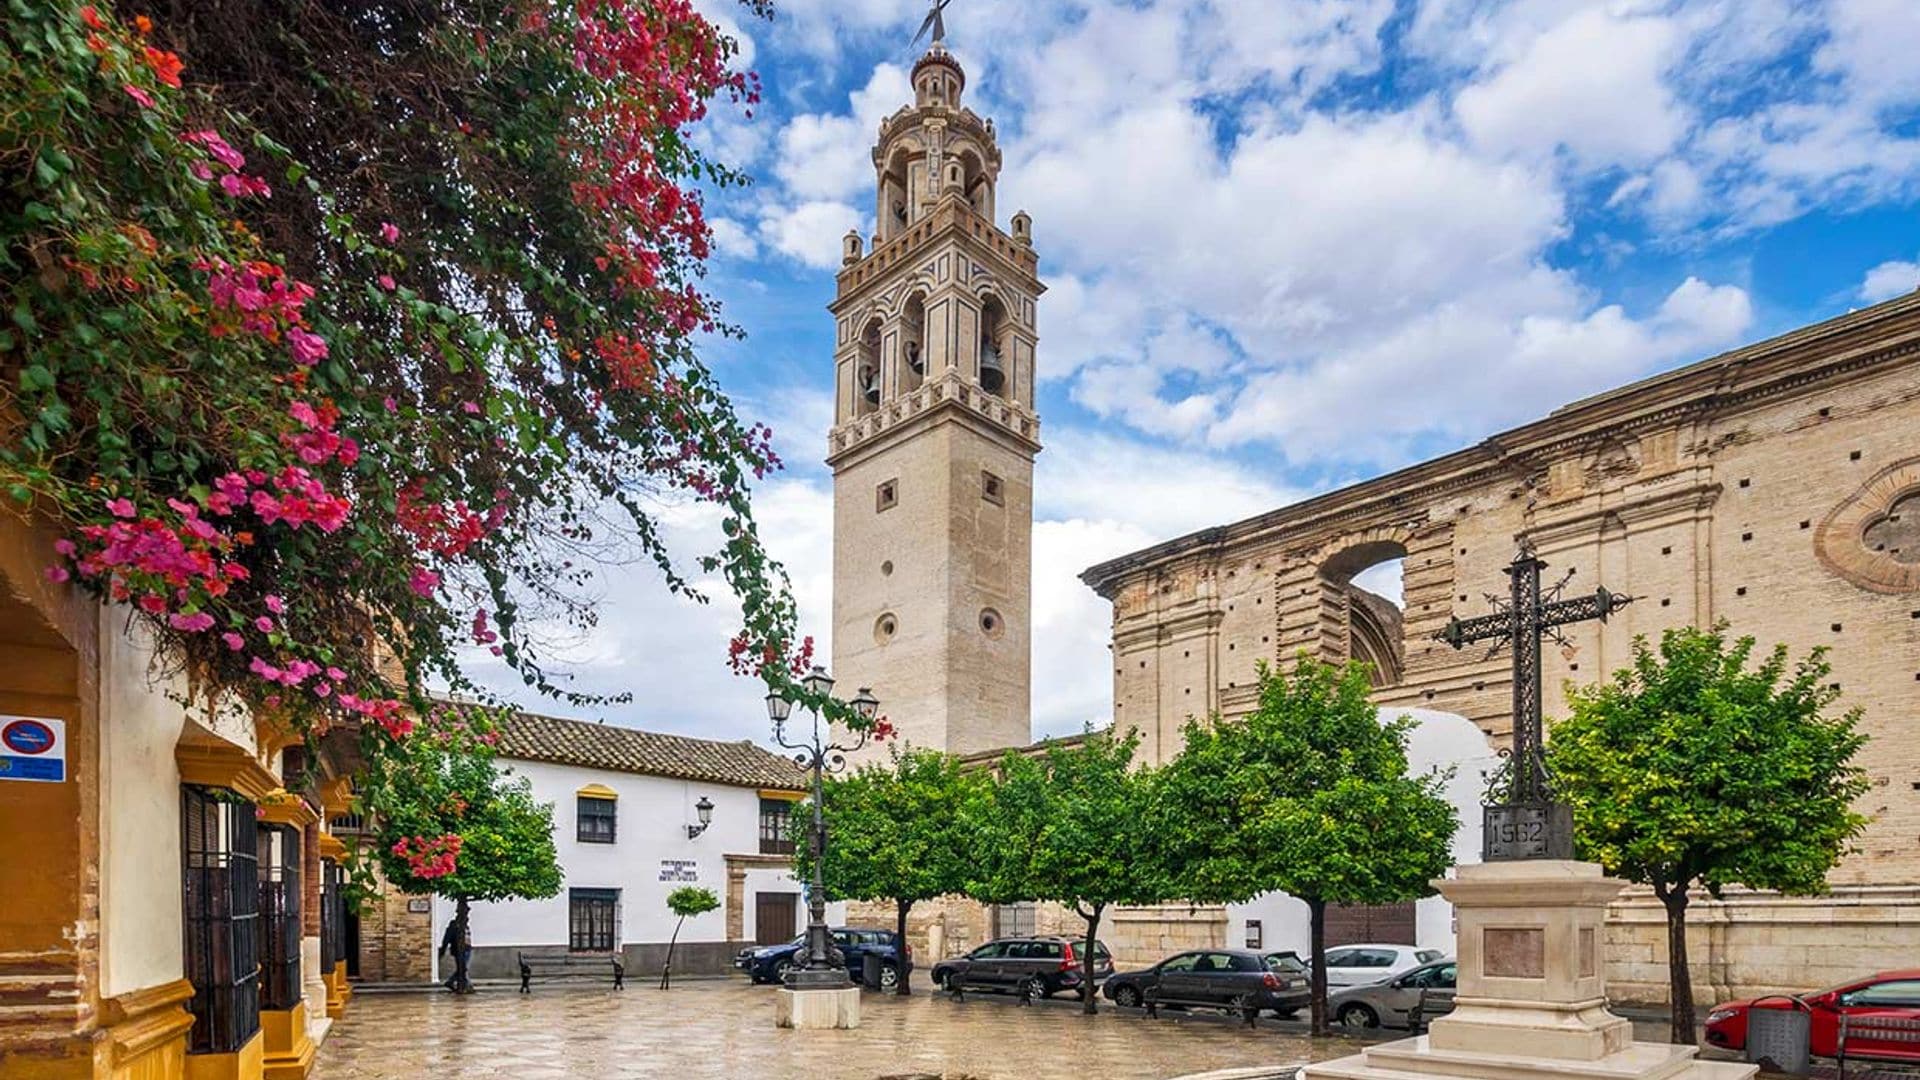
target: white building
628 819
1440 740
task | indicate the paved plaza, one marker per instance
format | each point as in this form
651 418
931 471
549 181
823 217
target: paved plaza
716 1028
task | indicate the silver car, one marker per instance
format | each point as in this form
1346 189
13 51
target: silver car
1426 990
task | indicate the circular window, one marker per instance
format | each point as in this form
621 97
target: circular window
886 568
991 624
884 628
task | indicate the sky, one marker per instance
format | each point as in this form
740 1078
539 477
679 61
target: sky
1289 245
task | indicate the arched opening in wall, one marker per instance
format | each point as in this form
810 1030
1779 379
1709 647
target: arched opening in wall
1364 587
866 371
993 352
977 185
913 337
892 213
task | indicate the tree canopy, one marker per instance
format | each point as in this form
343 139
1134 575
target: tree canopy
1308 794
1692 767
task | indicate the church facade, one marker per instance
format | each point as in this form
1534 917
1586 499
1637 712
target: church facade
1776 487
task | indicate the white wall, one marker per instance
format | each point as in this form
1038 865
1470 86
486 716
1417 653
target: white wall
653 813
1440 740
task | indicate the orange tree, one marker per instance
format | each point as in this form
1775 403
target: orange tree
323 324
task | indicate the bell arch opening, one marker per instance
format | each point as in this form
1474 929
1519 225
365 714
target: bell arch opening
1364 594
913 336
993 347
866 370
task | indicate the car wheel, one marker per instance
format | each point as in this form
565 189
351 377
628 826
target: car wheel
889 977
1127 995
1031 988
943 979
781 968
1356 1015
1240 1003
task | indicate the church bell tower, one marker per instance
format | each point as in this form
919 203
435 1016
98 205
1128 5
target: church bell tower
935 433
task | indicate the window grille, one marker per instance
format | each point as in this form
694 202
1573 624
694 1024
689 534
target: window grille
220 905
593 922
333 915
776 817
279 917
596 819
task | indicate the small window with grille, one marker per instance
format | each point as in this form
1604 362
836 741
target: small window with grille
886 496
220 909
596 820
593 920
992 488
776 816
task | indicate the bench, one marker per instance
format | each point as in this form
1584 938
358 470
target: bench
1879 1028
571 966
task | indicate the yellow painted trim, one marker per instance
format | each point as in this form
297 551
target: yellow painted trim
147 1029
782 793
246 1063
274 732
282 807
336 795
598 791
221 764
338 992
288 1053
330 847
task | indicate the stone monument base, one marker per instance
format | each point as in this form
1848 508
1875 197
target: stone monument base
817 1009
1531 1001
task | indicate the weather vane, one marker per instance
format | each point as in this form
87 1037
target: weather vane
933 22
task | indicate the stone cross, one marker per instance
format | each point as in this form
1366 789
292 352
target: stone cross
1526 823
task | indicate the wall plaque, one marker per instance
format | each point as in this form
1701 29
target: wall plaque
679 870
419 905
1514 953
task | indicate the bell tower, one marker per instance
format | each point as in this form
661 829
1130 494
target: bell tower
935 433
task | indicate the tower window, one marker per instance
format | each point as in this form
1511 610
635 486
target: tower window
991 624
991 489
886 496
884 628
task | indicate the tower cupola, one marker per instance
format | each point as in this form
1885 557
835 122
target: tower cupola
938 79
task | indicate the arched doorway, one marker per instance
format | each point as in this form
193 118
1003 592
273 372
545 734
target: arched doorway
1365 582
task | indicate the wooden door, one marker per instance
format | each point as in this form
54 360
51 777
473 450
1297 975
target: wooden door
774 917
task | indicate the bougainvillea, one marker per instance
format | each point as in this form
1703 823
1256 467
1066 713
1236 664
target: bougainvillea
331 403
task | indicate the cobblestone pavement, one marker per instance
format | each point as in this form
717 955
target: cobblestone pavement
725 1029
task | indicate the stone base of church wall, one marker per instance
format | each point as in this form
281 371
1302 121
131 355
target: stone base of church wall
1762 943
1147 935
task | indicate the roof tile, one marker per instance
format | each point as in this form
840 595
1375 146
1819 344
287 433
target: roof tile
589 745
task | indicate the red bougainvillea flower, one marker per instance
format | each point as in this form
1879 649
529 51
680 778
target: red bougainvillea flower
166 66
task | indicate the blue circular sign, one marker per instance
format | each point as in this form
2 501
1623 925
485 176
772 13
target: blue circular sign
27 737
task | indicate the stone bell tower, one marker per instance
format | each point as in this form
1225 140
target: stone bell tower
935 434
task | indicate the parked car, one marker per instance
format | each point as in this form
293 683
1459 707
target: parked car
1212 979
1357 965
769 963
1051 964
1391 1003
1890 994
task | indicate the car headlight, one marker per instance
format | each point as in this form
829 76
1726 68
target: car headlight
1718 1015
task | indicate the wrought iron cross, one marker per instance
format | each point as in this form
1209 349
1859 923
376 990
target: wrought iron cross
1525 822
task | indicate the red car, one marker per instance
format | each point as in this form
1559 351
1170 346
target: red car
1888 994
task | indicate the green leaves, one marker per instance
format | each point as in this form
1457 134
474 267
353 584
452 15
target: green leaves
690 900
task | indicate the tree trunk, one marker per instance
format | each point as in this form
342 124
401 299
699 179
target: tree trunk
666 971
462 934
1089 999
900 909
1679 974
1317 959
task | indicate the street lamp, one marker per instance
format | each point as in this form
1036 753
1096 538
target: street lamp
704 808
818 969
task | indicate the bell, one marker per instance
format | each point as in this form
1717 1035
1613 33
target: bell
870 385
914 362
992 376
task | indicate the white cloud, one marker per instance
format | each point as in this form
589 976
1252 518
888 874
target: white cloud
1890 279
1593 85
811 232
828 156
732 239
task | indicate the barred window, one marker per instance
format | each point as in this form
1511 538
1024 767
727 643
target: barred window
220 905
333 915
279 917
593 920
776 815
596 819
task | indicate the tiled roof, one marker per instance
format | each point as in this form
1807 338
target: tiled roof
589 745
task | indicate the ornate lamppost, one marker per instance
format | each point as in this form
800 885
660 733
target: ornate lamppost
820 968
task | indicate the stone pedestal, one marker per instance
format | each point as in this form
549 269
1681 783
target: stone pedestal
804 1009
1531 999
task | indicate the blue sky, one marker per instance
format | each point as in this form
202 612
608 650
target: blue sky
1290 244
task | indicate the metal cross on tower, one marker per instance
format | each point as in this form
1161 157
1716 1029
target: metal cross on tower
935 23
1525 822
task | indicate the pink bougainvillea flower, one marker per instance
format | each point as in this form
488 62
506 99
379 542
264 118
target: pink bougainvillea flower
387 283
58 574
64 547
308 348
263 624
191 623
277 605
423 581
389 231
234 641
145 99
121 508
336 674
470 407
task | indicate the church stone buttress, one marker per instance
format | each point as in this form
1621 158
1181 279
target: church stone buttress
935 434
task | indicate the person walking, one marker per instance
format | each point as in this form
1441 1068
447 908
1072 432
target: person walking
457 945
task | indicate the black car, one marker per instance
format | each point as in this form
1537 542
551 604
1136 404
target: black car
1233 979
769 963
1046 964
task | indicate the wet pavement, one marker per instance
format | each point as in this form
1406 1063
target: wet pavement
725 1029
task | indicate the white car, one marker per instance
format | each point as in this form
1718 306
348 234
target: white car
1358 965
